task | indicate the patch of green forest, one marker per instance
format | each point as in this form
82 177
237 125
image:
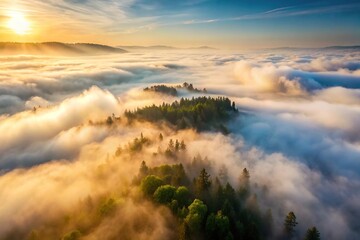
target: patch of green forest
207 209
169 90
203 206
202 113
162 89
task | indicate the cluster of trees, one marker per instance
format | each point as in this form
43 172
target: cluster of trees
174 148
162 89
202 113
289 228
190 88
135 146
172 90
208 209
205 206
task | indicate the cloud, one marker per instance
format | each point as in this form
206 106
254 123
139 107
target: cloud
268 78
26 79
283 79
297 133
325 64
10 104
81 183
36 101
283 12
33 137
75 12
339 95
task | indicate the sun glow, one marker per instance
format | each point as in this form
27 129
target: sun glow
18 23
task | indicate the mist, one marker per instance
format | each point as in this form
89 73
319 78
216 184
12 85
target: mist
297 133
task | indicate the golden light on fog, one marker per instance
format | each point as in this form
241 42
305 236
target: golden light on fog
18 23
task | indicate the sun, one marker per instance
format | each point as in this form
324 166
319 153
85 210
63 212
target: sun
18 23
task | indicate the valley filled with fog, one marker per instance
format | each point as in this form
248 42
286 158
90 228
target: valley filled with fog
67 148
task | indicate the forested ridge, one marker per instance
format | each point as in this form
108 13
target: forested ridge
172 90
206 206
202 113
203 203
209 207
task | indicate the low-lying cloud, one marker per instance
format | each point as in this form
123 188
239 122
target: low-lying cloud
290 81
297 133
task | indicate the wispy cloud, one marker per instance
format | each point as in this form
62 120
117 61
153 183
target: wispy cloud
281 13
111 19
89 15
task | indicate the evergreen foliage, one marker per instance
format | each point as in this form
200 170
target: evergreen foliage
290 224
202 113
173 90
150 183
312 234
162 89
205 208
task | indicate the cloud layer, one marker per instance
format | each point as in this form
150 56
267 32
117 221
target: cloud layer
297 133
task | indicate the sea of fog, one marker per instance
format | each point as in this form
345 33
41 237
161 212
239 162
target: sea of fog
298 133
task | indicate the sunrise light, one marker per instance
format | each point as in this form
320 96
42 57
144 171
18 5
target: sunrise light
18 23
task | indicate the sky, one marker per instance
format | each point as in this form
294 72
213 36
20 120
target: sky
222 24
297 132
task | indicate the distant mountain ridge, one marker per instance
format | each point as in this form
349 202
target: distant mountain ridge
164 47
343 47
57 48
356 47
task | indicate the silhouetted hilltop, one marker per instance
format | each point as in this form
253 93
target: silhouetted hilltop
57 48
342 47
157 47
163 47
355 47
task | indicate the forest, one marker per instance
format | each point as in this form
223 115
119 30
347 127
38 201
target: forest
179 120
170 90
209 207
201 201
204 206
202 113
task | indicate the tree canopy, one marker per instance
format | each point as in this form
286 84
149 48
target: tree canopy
290 224
197 213
150 183
312 234
202 113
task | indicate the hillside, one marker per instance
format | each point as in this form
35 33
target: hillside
57 48
163 48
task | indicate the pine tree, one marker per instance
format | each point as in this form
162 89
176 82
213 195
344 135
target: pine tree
244 189
246 174
177 145
289 224
182 145
109 121
143 169
312 234
202 182
223 174
171 145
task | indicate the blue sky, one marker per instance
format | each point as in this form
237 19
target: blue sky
229 23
